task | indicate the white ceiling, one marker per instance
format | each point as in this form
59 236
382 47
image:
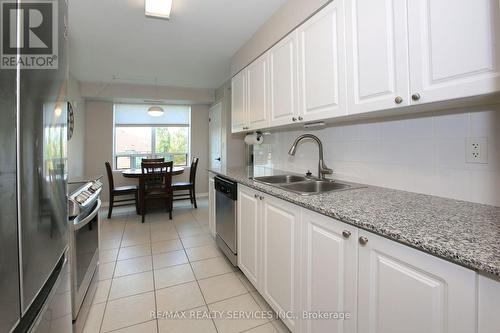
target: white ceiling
193 49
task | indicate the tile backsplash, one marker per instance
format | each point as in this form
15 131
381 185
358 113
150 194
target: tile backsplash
423 153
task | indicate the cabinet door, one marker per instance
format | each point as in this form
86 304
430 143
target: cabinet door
404 290
322 87
258 93
454 48
280 255
283 81
211 204
329 272
249 233
377 55
238 102
488 304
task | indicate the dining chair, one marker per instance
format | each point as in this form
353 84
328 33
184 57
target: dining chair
120 191
155 184
188 186
153 160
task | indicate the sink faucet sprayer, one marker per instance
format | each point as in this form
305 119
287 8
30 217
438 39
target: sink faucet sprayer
322 168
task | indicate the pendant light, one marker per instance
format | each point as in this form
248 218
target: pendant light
155 110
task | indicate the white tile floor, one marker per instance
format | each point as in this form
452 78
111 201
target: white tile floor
171 267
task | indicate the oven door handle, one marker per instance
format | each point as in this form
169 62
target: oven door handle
89 218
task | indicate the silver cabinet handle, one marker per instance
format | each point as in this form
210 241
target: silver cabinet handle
346 233
261 198
294 119
363 240
398 100
415 96
256 196
300 118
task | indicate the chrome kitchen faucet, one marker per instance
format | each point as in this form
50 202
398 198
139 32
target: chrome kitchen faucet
322 168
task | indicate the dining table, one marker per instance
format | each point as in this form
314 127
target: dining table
137 173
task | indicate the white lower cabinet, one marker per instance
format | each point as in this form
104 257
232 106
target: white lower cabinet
248 219
488 304
211 204
329 274
281 255
314 266
269 250
405 290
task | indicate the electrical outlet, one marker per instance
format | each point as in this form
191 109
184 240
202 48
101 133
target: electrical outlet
476 150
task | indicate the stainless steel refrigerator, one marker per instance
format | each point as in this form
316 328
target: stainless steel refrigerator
34 278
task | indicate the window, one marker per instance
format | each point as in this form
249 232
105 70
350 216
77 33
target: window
138 135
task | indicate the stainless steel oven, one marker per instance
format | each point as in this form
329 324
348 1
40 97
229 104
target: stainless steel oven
225 217
84 249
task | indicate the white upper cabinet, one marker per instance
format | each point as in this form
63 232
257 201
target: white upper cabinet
360 56
249 241
329 272
283 81
454 48
377 55
258 93
322 86
238 102
404 290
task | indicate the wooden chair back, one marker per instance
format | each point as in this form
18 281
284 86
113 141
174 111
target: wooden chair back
156 178
192 171
153 160
111 181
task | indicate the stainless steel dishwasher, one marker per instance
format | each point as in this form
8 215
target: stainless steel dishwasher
225 217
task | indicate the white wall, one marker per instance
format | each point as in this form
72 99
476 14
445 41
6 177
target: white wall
99 142
199 146
424 154
289 16
76 146
99 145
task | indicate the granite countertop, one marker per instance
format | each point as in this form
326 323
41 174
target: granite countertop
462 232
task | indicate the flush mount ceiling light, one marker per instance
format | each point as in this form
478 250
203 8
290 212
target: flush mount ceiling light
155 111
158 8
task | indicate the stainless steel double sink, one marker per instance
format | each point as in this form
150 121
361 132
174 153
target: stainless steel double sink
303 185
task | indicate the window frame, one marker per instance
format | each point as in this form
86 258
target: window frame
153 154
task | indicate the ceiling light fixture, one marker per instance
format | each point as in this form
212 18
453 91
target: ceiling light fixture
155 110
158 8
